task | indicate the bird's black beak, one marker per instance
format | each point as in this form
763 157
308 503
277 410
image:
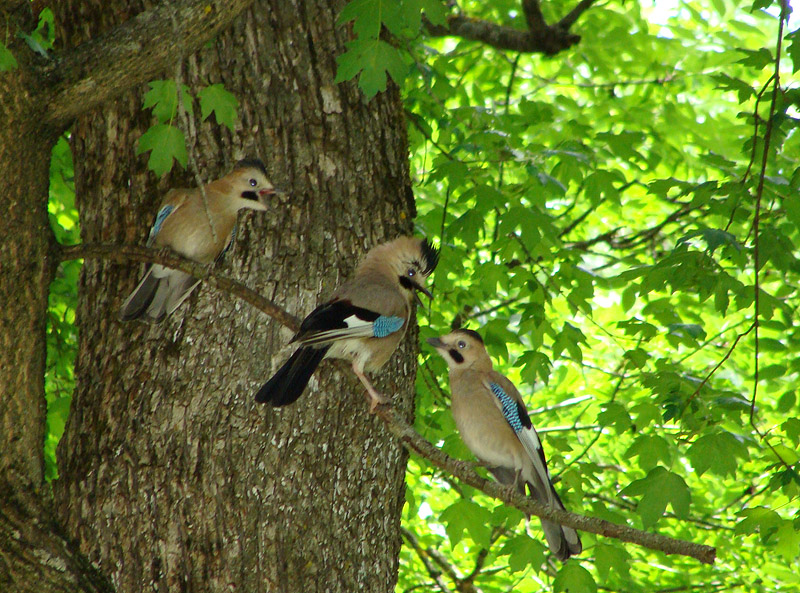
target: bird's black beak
435 342
423 290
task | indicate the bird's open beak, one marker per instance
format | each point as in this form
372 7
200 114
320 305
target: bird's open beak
269 191
425 291
435 342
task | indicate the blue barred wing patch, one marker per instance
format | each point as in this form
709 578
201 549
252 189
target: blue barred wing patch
510 409
160 218
384 326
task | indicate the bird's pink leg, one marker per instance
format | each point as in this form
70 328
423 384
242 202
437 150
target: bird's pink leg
375 397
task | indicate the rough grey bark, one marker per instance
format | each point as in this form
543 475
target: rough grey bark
171 477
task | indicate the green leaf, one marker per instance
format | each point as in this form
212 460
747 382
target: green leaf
614 414
719 452
788 541
217 99
793 49
758 520
659 488
369 15
435 11
7 60
574 578
611 557
523 552
758 59
162 98
165 143
373 59
650 449
467 516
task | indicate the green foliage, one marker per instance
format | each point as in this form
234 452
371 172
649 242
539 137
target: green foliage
7 59
371 58
223 104
62 338
42 38
166 142
596 215
162 99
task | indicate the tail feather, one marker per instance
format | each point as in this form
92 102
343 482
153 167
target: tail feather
562 541
141 297
160 292
291 379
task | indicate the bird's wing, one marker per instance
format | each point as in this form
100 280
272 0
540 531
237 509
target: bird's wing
340 319
510 403
172 201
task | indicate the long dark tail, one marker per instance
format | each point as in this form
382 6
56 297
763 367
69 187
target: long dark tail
562 541
141 297
291 379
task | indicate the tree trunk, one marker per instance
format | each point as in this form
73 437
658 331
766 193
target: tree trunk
171 477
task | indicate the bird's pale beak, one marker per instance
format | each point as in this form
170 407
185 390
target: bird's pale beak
435 342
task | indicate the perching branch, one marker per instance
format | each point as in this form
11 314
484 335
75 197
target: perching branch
396 424
538 38
166 257
412 441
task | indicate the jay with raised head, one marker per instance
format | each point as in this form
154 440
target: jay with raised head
363 322
495 426
198 228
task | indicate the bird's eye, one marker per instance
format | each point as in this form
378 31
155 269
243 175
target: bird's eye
253 183
462 344
411 272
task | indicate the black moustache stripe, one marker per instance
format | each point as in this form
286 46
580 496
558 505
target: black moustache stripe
406 283
456 355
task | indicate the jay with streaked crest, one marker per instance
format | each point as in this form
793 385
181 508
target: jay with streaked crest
363 321
494 424
199 228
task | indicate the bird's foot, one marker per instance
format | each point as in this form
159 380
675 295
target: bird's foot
375 400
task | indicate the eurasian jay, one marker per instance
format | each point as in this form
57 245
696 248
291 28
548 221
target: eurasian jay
363 322
495 426
199 229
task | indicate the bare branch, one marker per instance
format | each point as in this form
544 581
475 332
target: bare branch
574 14
170 259
539 38
533 14
464 472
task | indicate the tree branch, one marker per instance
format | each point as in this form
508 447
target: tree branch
463 471
410 438
136 51
166 257
539 38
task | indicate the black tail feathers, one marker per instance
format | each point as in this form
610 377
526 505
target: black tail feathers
291 379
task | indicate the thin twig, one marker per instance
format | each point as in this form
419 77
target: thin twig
756 221
435 574
188 131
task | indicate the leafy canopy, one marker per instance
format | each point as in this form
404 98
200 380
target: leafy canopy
597 215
